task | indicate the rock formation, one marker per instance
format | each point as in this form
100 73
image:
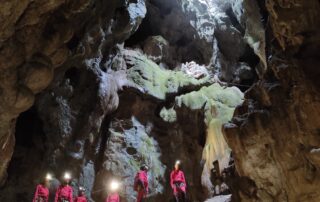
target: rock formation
275 133
98 88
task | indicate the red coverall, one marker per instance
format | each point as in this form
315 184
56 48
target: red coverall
41 192
64 192
80 199
141 179
113 197
177 176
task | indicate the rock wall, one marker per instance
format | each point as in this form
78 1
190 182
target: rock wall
81 82
114 84
40 41
275 133
37 37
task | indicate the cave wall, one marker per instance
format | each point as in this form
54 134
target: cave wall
40 41
104 76
69 63
37 37
275 133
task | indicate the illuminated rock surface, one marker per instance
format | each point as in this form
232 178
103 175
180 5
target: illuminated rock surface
218 104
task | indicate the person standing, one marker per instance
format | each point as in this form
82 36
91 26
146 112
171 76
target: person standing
113 195
64 192
42 191
178 183
81 196
141 183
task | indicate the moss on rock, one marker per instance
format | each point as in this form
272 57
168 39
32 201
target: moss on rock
128 149
149 78
168 115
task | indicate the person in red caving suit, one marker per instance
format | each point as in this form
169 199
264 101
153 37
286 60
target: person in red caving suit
42 191
64 192
113 196
141 183
81 196
178 183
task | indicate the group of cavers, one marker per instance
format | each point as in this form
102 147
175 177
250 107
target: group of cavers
64 193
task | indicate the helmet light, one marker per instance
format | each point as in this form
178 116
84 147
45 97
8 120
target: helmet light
114 185
48 177
67 176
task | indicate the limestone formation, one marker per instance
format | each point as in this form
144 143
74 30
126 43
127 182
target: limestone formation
274 134
98 88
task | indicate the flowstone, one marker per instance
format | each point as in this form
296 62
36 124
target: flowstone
218 103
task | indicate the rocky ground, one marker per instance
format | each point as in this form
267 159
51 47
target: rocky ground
222 198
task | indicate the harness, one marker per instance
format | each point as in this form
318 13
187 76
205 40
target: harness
139 185
178 184
41 199
63 200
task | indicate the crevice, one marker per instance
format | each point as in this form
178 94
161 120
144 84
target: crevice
264 12
73 75
104 136
73 42
234 21
29 131
143 32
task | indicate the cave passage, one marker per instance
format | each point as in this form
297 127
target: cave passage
29 130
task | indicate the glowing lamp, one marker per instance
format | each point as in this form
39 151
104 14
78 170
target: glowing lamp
67 176
48 177
114 185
